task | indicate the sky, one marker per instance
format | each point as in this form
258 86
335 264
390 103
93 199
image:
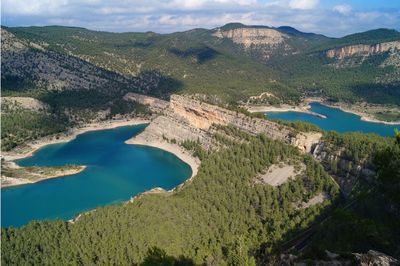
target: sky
333 18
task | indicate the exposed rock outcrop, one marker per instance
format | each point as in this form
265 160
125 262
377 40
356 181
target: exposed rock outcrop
202 115
375 258
155 104
190 119
362 50
306 141
278 174
371 258
252 36
34 64
346 173
24 102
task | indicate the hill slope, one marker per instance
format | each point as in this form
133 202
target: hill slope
236 61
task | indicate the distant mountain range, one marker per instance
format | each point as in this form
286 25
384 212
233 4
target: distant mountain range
227 64
66 77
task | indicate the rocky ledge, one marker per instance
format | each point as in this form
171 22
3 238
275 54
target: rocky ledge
362 50
252 36
186 118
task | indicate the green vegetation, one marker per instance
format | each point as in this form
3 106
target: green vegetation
388 115
355 148
196 62
19 125
66 109
220 213
368 37
301 126
223 216
34 173
387 162
370 220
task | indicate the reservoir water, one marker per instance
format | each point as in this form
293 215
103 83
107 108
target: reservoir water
115 172
336 120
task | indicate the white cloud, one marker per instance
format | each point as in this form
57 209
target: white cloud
342 9
177 15
303 4
198 4
21 7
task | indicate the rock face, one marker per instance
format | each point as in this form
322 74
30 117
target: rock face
362 49
190 119
345 176
155 104
373 257
202 115
252 36
24 102
33 63
306 141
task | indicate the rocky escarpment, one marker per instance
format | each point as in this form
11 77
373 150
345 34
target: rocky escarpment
370 258
190 119
155 104
252 36
362 50
202 115
345 171
26 62
185 118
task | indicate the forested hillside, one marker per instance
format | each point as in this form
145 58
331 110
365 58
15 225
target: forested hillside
73 90
204 61
370 220
225 216
205 221
84 74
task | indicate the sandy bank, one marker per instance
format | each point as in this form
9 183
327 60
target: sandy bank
30 147
177 150
305 106
282 108
12 181
363 116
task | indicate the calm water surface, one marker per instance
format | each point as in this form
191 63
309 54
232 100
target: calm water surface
336 120
115 172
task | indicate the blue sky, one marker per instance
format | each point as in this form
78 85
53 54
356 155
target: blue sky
330 17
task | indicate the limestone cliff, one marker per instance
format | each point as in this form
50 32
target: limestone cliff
190 119
346 173
202 115
252 36
362 50
155 104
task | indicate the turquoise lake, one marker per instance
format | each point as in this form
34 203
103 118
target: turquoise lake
115 172
335 120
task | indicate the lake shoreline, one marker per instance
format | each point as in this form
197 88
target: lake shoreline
68 136
13 182
283 108
71 134
175 149
304 107
363 116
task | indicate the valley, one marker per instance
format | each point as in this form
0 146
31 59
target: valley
169 154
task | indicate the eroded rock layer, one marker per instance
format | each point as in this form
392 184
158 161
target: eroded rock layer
362 49
252 36
190 119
